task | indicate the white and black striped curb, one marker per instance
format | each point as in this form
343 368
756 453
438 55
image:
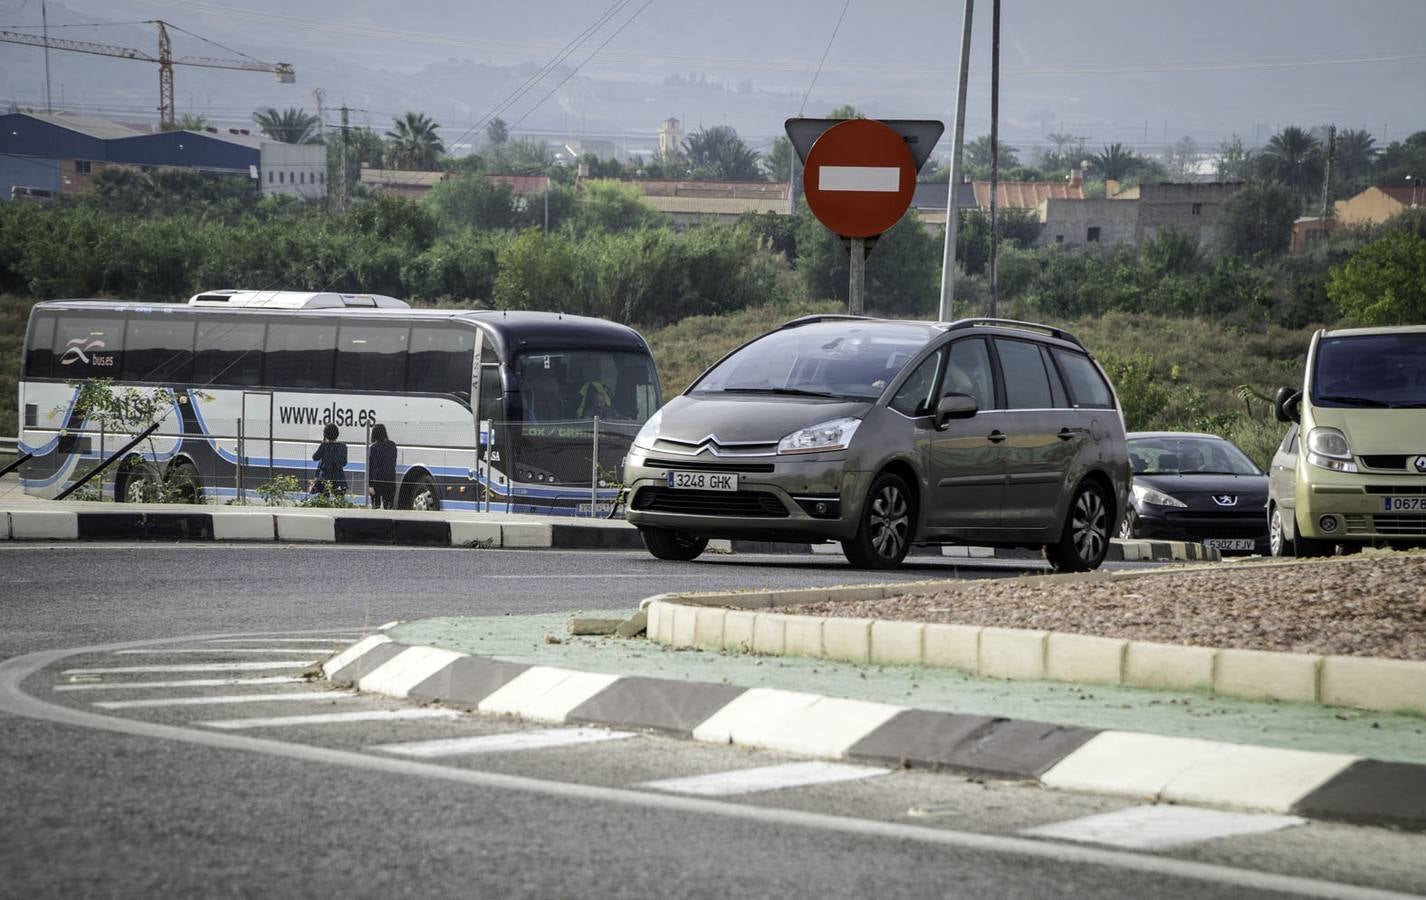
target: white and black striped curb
135 522
1128 764
757 622
310 526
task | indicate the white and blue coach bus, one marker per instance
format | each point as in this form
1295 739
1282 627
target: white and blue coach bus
489 409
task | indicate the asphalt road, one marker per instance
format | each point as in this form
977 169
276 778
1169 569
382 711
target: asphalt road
150 801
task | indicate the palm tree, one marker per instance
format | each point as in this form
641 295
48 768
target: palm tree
718 152
1116 162
1293 157
414 142
291 126
1356 152
497 131
191 122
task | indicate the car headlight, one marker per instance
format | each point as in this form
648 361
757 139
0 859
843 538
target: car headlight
822 438
1145 494
650 432
1327 448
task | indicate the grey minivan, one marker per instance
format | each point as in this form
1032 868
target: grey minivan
883 433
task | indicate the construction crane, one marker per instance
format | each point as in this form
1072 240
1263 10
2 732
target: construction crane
165 59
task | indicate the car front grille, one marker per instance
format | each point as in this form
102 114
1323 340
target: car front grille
710 466
745 504
1412 526
1388 489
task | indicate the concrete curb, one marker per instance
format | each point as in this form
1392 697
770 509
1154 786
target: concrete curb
1142 766
723 622
1119 551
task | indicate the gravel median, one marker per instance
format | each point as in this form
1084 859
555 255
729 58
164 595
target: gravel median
1370 605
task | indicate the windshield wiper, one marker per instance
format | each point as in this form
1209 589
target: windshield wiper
1355 401
785 391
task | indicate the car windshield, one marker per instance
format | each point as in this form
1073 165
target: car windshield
1188 456
843 359
1373 371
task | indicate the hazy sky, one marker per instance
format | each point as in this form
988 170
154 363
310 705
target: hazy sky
1142 71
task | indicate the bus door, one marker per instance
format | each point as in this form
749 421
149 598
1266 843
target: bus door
489 407
255 438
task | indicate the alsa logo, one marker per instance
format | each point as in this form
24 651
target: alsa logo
78 351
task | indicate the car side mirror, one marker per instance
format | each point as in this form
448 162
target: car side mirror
954 406
1287 404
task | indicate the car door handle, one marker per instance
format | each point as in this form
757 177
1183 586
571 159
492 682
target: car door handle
1067 434
996 436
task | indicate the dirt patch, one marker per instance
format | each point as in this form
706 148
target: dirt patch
1363 606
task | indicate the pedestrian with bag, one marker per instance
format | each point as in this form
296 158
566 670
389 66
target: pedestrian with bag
381 469
331 457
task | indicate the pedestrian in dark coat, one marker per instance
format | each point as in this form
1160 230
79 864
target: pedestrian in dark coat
381 469
331 457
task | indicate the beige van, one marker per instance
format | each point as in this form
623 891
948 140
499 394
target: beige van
1352 469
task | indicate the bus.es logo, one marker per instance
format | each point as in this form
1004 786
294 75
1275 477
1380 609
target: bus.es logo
79 351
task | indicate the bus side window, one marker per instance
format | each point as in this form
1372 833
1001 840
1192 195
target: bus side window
88 345
159 349
300 355
492 394
228 351
371 357
39 356
441 360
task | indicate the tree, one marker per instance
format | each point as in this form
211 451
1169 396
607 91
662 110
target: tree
1356 152
290 126
1293 157
902 275
1258 219
414 142
1116 162
846 111
608 206
1182 158
497 131
977 157
1235 161
778 161
719 153
524 157
191 122
1383 283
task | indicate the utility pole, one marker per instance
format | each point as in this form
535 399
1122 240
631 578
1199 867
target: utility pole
346 171
953 215
45 25
994 147
1327 173
856 294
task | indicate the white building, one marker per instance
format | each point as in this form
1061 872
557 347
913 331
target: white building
296 169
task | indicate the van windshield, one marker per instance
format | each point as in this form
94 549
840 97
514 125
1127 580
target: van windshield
1382 371
839 359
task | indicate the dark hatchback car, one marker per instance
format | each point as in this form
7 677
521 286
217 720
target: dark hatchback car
1195 487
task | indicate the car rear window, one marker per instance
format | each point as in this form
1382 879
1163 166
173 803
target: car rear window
1086 386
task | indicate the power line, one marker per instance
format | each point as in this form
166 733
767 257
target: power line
825 50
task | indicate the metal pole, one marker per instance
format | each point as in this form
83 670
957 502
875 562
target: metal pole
594 473
994 144
856 295
45 22
366 456
103 435
238 466
948 255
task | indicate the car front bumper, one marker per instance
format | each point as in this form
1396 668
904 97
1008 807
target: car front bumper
1356 504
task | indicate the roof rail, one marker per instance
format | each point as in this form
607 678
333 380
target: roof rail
1016 323
822 317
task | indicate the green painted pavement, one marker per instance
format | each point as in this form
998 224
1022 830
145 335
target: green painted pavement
1295 726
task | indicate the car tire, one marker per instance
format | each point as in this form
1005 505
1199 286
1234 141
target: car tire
1129 525
421 495
1279 544
1084 541
886 527
665 543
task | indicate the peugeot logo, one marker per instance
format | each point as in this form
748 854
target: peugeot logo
1225 499
1419 463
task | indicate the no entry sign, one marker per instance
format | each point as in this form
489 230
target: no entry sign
859 177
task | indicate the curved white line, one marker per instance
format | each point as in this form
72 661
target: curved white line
16 702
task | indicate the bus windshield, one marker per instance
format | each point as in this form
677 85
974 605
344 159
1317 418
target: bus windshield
1384 371
570 385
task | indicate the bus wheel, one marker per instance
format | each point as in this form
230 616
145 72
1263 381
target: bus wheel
138 485
421 494
184 485
667 544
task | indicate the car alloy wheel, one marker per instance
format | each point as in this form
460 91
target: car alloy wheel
1277 541
1089 525
890 521
1128 525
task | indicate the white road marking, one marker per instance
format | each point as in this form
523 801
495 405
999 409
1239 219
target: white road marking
878 179
194 667
501 743
269 640
13 700
1160 827
369 715
214 699
763 778
211 651
193 682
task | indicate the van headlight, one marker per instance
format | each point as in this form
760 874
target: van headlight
650 432
822 438
1327 448
1145 494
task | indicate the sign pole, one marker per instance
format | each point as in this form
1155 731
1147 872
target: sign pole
856 294
948 255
